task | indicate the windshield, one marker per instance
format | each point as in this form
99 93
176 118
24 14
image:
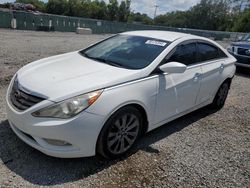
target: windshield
246 38
131 52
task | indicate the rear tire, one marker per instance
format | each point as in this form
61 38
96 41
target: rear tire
120 132
221 96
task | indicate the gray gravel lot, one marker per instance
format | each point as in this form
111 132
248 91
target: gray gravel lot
202 149
18 48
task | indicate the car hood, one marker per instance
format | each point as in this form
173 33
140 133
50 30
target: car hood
243 44
63 76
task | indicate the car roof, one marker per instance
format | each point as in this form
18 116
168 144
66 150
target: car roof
161 35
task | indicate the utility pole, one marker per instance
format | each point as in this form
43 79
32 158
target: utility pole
156 6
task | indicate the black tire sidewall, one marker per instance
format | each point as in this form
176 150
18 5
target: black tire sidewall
215 104
102 140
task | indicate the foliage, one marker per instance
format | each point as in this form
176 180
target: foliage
112 9
243 22
5 5
173 19
124 11
230 15
139 18
210 15
57 6
91 8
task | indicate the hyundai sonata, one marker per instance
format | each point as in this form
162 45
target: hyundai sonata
102 98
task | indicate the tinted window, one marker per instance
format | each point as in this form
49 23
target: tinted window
208 52
246 38
221 53
133 52
185 54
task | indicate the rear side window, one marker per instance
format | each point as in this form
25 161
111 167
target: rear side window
185 54
208 52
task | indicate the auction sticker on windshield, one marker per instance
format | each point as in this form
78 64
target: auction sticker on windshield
155 42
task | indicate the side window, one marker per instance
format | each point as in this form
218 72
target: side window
208 52
221 53
185 54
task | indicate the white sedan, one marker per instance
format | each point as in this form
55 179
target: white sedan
102 98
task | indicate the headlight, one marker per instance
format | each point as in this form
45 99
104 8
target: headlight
70 107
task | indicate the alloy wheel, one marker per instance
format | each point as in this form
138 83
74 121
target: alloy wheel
123 133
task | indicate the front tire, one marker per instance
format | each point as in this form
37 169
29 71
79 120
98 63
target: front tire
221 96
120 132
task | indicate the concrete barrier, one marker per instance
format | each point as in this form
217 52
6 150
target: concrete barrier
13 23
83 31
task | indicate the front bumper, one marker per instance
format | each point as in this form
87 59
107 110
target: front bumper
242 61
80 133
242 64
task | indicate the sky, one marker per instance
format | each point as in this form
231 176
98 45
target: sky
148 6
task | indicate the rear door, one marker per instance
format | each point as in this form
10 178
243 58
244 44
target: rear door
211 59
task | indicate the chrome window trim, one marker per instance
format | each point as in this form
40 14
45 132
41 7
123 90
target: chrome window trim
202 63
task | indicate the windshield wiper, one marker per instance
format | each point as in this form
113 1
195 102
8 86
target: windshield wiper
109 62
116 64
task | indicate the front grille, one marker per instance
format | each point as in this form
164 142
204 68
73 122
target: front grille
244 51
21 100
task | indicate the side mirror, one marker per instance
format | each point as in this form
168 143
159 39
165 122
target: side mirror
239 38
173 67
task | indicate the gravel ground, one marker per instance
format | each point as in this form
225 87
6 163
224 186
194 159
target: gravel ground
18 48
202 149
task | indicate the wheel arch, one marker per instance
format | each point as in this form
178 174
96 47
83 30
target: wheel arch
144 116
229 80
136 105
139 106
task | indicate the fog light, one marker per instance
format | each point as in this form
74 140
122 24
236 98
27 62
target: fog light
57 142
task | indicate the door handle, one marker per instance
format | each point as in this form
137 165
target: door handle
197 76
222 66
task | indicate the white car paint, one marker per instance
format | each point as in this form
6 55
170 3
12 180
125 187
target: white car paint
164 97
65 77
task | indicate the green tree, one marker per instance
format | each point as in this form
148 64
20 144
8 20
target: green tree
97 9
242 24
74 8
57 6
5 5
139 18
112 9
209 14
173 19
124 11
